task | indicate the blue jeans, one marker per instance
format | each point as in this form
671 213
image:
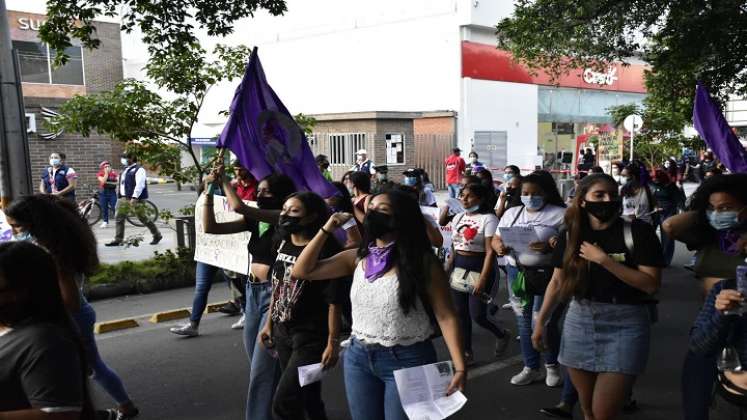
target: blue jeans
108 202
369 377
699 374
204 275
454 190
107 378
525 324
264 370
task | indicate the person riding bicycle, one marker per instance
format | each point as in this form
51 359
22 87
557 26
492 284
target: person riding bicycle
133 187
107 178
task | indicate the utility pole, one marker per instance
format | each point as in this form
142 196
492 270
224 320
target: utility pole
15 173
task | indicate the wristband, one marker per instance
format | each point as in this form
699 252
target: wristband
325 231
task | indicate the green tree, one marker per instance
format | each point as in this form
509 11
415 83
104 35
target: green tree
683 41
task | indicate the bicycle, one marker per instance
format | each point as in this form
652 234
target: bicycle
90 210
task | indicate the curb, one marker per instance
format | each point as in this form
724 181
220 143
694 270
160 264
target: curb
159 317
109 326
156 318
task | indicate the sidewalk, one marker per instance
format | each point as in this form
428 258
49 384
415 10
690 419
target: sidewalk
115 254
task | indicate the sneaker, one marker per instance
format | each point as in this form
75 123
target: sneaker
115 414
561 411
229 308
189 329
501 344
114 243
553 377
527 376
239 325
104 225
156 240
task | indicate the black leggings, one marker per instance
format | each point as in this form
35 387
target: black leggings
468 306
298 348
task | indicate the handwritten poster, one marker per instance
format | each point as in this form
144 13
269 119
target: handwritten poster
224 251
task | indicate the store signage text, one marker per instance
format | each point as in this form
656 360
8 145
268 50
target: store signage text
30 24
597 78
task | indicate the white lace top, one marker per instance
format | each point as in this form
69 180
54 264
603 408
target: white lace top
377 316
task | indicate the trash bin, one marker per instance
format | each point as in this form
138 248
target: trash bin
185 238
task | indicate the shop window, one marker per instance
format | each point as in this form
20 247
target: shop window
342 147
36 65
395 149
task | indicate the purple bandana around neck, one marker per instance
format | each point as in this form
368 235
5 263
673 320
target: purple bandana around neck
727 241
378 261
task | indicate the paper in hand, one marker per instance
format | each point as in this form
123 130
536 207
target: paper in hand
310 373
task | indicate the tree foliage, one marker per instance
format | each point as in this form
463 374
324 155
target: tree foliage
683 41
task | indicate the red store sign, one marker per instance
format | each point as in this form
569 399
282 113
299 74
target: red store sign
485 62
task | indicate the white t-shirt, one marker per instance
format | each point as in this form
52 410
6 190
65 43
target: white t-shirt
546 223
637 206
469 232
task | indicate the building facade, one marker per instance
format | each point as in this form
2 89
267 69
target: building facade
361 56
45 88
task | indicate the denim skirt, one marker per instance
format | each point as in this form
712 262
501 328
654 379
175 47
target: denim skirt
606 337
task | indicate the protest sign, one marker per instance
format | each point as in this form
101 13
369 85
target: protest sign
225 251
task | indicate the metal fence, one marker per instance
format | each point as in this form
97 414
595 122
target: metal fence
430 152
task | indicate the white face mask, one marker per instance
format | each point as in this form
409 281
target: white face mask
473 160
124 161
54 161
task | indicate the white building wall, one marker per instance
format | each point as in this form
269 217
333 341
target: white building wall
354 55
501 106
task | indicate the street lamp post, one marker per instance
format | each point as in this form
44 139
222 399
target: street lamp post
632 123
15 174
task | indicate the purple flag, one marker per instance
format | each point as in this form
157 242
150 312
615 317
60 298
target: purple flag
263 135
712 126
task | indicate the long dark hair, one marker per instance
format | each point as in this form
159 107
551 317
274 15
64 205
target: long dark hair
546 183
361 181
28 268
733 184
57 226
343 198
639 180
577 223
412 251
281 186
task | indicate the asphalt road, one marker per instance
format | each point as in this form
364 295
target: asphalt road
171 377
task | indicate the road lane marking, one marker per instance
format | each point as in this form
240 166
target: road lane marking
494 367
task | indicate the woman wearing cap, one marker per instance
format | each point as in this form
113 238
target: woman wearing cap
107 190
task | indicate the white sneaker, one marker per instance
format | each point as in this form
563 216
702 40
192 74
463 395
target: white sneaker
239 325
189 329
527 376
104 225
553 378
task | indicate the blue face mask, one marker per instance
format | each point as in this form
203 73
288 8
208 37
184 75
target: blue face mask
533 202
410 181
723 220
23 236
472 209
507 177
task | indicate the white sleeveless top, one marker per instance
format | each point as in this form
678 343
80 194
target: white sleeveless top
377 316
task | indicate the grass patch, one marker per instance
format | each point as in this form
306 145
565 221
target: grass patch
165 270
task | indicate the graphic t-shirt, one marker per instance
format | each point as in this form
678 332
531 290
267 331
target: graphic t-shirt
546 223
470 231
454 168
603 286
40 368
299 303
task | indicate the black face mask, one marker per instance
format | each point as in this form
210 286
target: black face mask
377 224
290 224
604 211
270 203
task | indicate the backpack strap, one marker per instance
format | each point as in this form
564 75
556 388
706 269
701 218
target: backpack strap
517 216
